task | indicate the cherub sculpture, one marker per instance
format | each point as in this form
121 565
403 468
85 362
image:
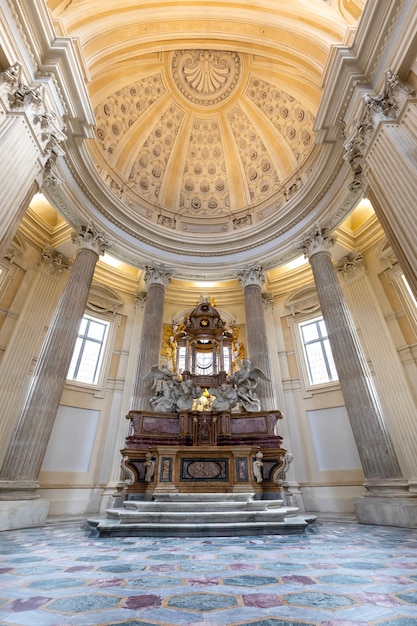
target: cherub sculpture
246 379
225 397
187 393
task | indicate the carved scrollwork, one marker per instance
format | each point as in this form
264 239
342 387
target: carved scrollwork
382 107
131 478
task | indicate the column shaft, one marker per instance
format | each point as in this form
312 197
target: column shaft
29 441
375 448
256 336
149 353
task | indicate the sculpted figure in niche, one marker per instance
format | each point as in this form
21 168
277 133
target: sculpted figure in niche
257 467
246 380
149 467
166 386
225 397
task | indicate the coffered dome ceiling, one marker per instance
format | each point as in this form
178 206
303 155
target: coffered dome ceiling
204 114
205 135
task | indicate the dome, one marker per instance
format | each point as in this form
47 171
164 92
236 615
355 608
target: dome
203 142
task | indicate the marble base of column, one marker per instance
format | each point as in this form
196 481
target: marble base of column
387 503
387 487
15 514
18 490
381 511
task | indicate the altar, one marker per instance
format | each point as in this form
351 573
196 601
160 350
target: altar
204 458
214 452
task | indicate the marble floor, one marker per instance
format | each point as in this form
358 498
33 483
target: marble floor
338 572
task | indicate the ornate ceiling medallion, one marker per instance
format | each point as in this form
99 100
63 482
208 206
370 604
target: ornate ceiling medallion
206 77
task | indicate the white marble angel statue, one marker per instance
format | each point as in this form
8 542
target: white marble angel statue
246 379
166 387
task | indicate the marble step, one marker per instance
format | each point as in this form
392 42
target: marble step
243 496
203 517
191 506
290 526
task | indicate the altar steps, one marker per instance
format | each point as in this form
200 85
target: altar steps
202 515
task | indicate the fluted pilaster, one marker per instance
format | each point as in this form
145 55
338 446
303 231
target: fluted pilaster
392 386
252 279
24 457
377 454
21 349
156 278
134 346
386 134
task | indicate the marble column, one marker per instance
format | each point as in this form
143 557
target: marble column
22 464
388 500
16 362
156 279
252 280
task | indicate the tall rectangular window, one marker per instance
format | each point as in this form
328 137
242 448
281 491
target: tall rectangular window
89 350
317 352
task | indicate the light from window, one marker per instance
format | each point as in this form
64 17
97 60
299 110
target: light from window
89 349
319 358
204 361
408 290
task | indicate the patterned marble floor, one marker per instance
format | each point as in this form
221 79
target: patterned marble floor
337 573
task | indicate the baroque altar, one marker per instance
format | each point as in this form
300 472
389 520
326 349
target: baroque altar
205 430
204 459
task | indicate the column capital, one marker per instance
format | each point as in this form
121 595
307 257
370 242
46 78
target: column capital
19 95
140 299
158 274
268 301
251 275
318 241
53 261
351 266
387 104
87 237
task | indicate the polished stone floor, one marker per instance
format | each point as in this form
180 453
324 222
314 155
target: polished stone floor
337 573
